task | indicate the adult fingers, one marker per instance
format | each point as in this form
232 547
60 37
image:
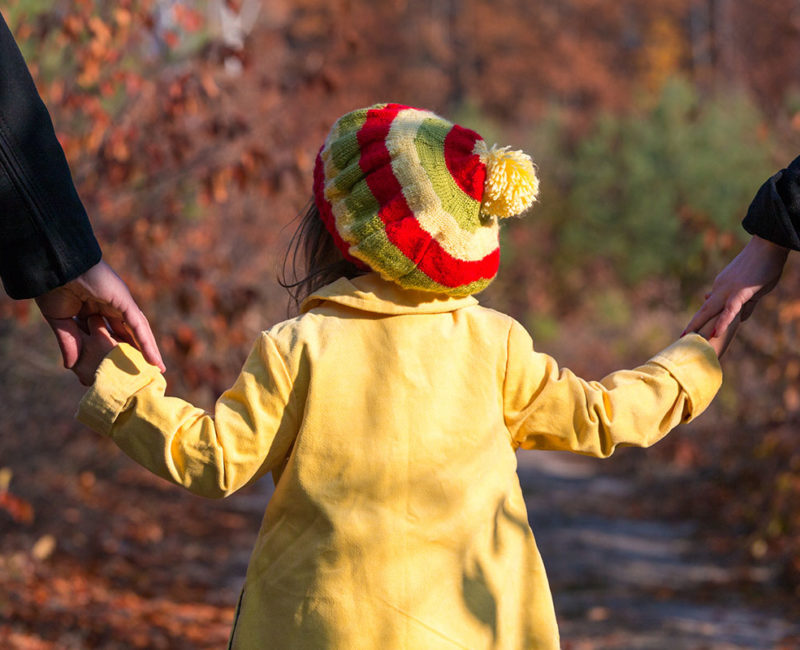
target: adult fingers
69 337
734 304
103 285
726 316
710 309
724 337
140 329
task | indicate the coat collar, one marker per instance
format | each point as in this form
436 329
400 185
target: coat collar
373 294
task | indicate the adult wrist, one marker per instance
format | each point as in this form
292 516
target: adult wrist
770 247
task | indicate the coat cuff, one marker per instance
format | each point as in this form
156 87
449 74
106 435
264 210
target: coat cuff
694 364
119 376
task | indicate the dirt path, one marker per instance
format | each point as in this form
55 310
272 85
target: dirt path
625 583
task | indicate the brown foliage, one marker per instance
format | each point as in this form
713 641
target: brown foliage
191 171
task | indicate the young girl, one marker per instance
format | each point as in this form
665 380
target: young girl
389 412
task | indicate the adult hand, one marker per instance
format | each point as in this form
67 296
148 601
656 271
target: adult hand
720 340
99 291
752 274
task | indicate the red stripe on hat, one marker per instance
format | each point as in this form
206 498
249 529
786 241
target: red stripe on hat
464 166
433 260
402 228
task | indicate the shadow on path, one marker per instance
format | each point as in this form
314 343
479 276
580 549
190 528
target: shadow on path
625 583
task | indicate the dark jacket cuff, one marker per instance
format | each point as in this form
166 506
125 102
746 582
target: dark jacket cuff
774 213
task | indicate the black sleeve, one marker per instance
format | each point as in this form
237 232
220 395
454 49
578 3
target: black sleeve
774 213
45 236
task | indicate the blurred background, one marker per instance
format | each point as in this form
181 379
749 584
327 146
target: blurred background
191 129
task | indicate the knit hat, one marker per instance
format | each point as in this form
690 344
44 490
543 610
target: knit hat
417 198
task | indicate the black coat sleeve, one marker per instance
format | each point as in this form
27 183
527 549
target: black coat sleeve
45 236
774 213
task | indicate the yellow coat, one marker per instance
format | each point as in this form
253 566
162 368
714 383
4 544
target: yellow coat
390 421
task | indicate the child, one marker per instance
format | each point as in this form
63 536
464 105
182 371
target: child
390 410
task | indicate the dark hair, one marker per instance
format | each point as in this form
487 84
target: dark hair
313 259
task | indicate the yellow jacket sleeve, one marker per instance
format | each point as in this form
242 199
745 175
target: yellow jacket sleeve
250 432
549 408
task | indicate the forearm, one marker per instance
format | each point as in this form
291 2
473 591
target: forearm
45 236
249 432
630 407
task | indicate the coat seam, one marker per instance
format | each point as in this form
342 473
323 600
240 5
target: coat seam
25 186
514 444
287 376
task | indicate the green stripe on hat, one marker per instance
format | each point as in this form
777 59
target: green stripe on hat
345 147
382 255
345 150
463 208
351 122
360 201
348 177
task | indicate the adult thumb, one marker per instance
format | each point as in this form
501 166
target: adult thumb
69 337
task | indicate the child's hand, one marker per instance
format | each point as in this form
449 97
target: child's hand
94 347
719 340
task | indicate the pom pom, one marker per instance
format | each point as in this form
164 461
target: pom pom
511 183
